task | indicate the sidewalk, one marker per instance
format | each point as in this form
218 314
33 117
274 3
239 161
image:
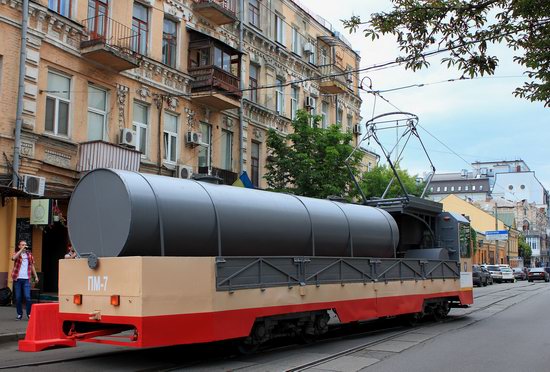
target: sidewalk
11 329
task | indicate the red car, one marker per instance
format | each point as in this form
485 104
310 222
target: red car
538 273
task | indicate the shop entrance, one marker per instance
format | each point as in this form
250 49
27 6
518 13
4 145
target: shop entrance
54 247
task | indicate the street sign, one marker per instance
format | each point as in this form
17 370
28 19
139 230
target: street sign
496 235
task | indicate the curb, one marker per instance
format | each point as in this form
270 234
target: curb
11 337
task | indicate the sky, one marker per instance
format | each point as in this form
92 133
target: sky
459 122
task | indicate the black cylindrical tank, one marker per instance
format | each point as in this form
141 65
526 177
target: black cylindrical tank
120 213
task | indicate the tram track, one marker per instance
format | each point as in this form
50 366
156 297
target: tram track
397 332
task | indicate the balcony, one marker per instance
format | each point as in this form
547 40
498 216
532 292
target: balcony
215 87
100 154
109 43
335 80
219 12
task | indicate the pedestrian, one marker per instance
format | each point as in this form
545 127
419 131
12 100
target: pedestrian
70 252
23 270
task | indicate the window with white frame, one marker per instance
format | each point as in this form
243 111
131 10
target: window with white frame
226 150
58 101
97 113
279 97
62 7
205 148
313 105
253 82
141 127
324 114
294 93
296 41
466 188
170 138
339 116
279 29
313 54
323 57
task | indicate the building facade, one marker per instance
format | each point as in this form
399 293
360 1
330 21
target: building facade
170 87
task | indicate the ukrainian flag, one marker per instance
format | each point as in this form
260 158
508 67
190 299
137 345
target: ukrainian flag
243 181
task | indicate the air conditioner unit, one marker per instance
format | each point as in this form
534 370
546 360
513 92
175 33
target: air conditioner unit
34 185
128 137
194 138
310 102
309 48
349 77
357 129
184 171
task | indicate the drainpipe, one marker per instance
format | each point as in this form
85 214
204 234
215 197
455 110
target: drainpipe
20 94
241 112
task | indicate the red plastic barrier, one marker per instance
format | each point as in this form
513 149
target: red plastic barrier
44 329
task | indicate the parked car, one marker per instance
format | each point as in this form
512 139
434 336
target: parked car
495 272
507 274
519 274
480 276
538 273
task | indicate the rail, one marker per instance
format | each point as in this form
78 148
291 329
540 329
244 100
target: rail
213 77
230 5
104 30
233 273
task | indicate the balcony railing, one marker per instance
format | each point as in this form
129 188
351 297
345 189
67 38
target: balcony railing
335 80
111 43
100 154
218 11
212 78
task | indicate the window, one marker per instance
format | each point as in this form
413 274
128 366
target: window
279 97
324 114
254 13
97 15
313 55
293 101
62 7
170 137
313 105
97 113
522 187
140 28
279 30
140 125
438 188
323 58
466 188
445 188
339 116
169 42
204 149
253 83
226 150
480 187
295 41
255 164
58 100
452 188
350 121
222 59
459 188
473 188
431 189
510 187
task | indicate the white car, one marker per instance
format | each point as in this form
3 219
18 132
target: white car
507 274
496 274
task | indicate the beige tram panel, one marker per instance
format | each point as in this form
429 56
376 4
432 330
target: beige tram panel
150 286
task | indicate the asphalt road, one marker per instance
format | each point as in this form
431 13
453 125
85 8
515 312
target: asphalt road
505 330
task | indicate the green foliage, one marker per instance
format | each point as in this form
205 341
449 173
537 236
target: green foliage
375 182
310 161
473 239
524 248
465 29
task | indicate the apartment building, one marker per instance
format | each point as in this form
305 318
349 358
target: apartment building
170 87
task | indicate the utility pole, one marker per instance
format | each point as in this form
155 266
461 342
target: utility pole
496 229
